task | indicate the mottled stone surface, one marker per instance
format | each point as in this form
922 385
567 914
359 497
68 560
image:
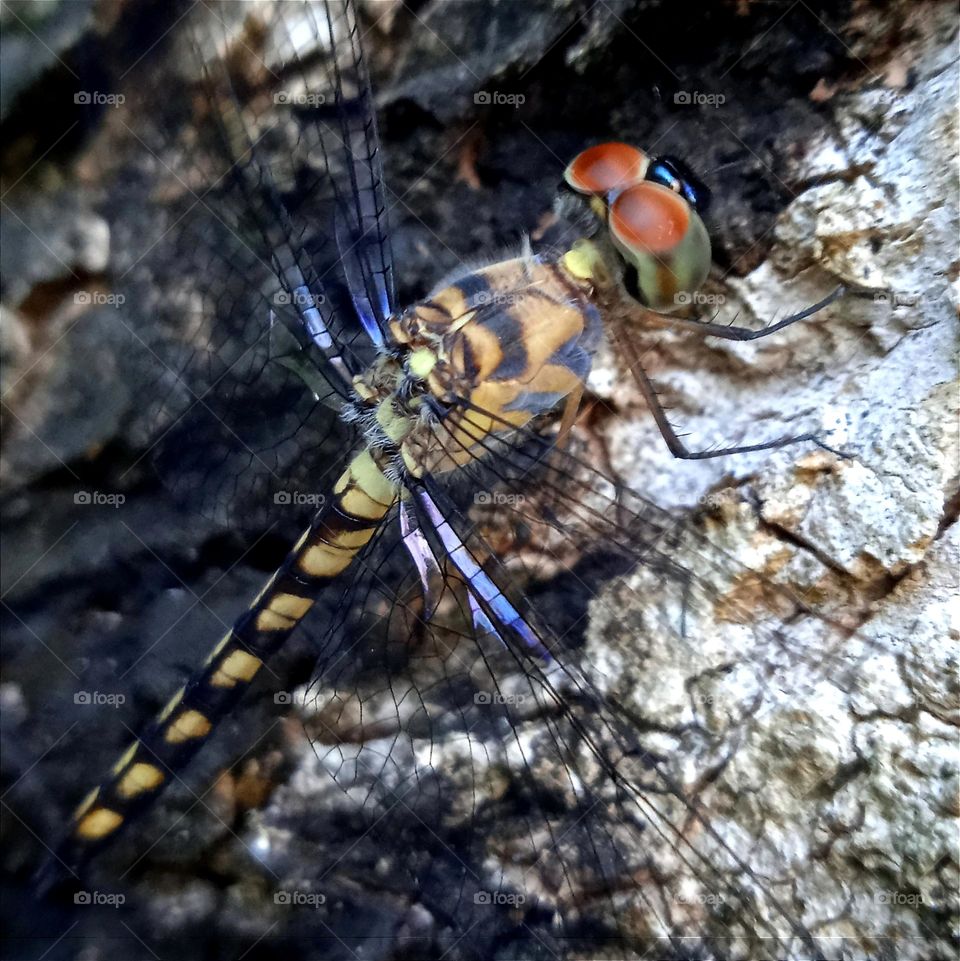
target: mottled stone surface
843 786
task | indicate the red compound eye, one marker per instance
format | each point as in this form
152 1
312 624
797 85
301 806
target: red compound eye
649 218
606 167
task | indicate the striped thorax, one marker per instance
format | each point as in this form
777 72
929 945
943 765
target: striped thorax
484 353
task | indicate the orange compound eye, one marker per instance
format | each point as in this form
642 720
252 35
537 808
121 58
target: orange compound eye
606 167
663 243
649 218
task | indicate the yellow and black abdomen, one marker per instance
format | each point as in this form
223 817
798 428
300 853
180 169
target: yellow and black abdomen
342 527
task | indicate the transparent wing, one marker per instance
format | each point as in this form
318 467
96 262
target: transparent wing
362 231
656 770
258 269
238 412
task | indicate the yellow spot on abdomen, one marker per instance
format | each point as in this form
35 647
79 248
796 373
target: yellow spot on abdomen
326 560
394 425
141 777
411 462
98 824
351 540
364 490
328 557
451 300
188 725
358 503
282 612
236 666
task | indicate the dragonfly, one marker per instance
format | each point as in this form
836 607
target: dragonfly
451 687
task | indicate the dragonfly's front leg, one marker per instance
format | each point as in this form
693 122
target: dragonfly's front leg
673 442
732 332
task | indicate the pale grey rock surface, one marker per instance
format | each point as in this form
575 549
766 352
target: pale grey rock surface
843 786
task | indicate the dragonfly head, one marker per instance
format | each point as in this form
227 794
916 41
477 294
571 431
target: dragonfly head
650 209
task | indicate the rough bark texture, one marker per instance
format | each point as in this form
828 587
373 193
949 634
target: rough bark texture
829 138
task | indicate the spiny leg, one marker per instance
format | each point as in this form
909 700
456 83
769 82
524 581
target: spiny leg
732 332
673 442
